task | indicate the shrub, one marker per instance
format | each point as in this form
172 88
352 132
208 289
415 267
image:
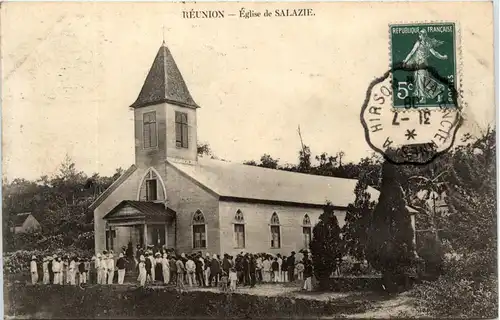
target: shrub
325 246
19 261
354 232
452 297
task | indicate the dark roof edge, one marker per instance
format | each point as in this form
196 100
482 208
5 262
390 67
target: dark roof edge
113 187
278 202
177 103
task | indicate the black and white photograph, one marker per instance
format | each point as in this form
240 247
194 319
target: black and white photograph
248 160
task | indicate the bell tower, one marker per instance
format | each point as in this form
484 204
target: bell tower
164 115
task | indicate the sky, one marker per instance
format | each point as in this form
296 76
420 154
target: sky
70 71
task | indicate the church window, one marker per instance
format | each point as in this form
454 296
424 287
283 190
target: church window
149 129
181 129
275 231
306 230
199 230
239 229
151 190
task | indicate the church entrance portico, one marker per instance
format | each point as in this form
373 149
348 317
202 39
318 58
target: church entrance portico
140 223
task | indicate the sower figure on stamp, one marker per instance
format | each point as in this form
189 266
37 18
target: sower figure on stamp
418 59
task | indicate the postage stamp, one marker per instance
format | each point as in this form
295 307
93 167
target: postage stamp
423 58
412 113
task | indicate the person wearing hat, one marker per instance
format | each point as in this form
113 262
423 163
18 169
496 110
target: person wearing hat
158 267
111 267
93 270
121 264
72 271
64 270
98 266
191 271
45 269
291 267
56 268
165 266
207 269
280 262
51 271
103 267
142 271
180 273
152 260
148 266
173 269
214 271
33 270
198 260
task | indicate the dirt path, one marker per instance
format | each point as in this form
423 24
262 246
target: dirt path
400 306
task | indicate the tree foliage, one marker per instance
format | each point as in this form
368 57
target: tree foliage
471 224
326 246
60 203
357 220
390 239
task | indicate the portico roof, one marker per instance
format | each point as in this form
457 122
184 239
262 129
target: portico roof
142 210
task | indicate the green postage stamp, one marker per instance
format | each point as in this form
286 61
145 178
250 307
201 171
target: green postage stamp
424 65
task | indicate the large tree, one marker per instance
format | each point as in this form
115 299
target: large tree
357 220
325 246
390 238
471 224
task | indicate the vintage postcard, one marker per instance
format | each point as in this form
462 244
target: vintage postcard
248 159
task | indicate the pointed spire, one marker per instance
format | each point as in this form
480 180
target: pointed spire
164 83
163 43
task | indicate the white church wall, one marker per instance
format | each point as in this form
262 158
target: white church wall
257 226
185 197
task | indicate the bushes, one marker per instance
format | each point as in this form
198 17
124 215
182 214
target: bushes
465 290
452 297
19 261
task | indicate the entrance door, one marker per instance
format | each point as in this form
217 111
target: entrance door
158 235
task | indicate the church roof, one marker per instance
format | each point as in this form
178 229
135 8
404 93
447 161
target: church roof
143 209
164 83
238 181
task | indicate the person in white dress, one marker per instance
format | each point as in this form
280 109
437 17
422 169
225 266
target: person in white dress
33 270
45 268
142 271
165 263
56 268
111 268
72 271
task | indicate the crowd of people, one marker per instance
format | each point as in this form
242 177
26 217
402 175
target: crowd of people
159 266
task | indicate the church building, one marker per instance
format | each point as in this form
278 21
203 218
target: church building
172 197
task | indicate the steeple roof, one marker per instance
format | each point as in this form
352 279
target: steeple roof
164 83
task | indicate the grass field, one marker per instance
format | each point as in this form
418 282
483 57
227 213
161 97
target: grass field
26 301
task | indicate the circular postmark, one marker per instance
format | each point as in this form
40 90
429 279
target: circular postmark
411 114
410 134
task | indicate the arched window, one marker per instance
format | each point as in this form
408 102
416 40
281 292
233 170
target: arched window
152 187
306 230
199 230
239 229
275 231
